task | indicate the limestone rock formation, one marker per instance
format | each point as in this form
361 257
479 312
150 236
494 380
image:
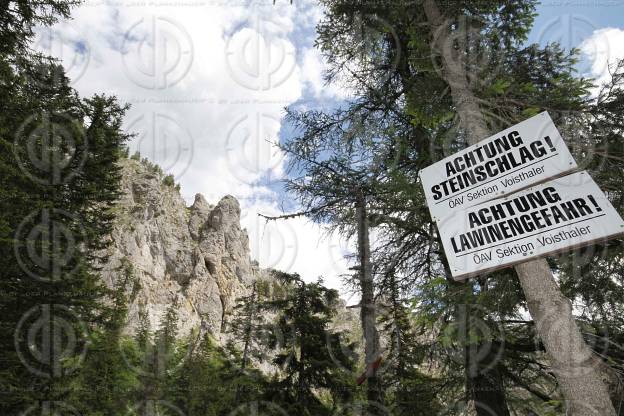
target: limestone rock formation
195 257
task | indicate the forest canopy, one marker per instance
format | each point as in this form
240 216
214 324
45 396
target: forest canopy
427 79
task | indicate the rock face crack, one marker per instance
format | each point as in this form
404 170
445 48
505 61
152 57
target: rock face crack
197 256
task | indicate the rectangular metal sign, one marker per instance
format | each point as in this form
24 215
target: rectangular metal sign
558 215
521 156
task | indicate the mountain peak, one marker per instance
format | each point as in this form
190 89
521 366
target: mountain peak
197 257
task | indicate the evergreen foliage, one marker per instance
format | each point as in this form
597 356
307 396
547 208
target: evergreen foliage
402 118
447 345
303 342
59 180
169 180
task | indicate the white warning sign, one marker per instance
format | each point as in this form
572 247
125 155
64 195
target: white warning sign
521 156
558 215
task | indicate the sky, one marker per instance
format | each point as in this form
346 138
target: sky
208 81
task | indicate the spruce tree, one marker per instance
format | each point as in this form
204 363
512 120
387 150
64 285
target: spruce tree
107 382
303 346
58 182
405 115
410 391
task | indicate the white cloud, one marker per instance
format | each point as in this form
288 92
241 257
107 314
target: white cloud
208 82
604 47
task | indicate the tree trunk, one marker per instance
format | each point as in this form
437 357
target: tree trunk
250 309
486 382
367 308
483 383
571 359
574 365
249 325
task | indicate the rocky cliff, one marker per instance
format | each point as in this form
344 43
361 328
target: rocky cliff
196 257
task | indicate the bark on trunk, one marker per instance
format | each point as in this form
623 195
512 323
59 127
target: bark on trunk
484 379
249 325
574 365
484 386
247 335
579 381
487 389
367 308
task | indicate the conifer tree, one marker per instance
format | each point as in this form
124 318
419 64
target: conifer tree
410 391
107 382
245 321
303 352
58 185
579 380
404 116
